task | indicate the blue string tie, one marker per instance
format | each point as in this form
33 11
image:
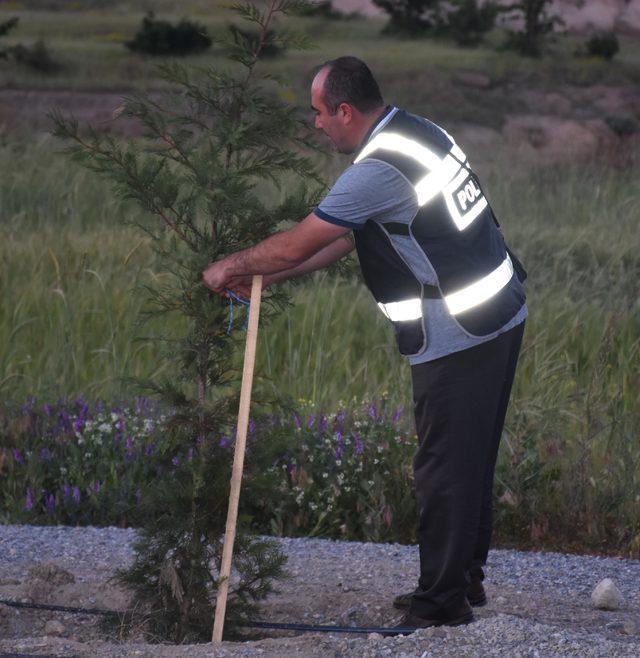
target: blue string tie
245 302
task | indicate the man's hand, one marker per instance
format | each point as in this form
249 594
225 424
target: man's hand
217 275
241 285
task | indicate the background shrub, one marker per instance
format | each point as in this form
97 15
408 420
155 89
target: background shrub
604 45
36 57
467 23
157 37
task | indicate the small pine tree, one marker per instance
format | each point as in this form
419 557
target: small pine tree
221 165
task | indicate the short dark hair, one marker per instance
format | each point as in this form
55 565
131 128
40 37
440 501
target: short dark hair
350 80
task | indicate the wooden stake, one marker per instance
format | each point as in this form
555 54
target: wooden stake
238 457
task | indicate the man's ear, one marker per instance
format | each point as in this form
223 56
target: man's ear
346 111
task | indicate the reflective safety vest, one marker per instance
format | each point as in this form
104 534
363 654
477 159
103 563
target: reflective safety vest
454 229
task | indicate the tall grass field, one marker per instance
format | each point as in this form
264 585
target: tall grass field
71 298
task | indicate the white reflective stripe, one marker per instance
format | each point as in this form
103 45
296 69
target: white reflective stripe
481 290
400 144
445 174
432 184
462 220
465 220
409 309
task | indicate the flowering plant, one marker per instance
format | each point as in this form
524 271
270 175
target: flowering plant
346 474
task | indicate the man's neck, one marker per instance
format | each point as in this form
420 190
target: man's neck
370 121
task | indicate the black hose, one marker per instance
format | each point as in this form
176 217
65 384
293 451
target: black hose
305 628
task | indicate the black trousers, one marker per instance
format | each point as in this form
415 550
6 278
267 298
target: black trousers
460 403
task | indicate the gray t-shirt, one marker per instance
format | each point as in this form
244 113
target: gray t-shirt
373 190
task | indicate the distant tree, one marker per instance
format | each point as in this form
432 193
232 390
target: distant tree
537 23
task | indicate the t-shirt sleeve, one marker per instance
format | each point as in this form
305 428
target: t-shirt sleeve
370 189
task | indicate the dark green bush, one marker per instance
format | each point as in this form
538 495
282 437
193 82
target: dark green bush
157 37
322 9
467 23
36 57
603 45
410 17
7 26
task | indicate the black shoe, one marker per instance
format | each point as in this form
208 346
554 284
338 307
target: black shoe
462 614
475 595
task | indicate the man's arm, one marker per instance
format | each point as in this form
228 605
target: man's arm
326 256
284 251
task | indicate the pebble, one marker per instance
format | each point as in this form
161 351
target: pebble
606 596
54 627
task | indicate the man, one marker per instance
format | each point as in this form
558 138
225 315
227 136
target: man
434 259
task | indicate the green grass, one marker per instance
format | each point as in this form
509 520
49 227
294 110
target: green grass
70 303
416 73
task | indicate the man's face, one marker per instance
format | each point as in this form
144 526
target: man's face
337 127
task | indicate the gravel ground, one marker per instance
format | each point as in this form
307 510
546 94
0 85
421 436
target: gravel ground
539 603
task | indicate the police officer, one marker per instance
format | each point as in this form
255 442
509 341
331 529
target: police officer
433 256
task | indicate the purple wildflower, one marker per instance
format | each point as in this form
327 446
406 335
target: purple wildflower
97 486
397 415
356 436
76 495
64 420
48 409
176 461
297 421
338 423
148 451
45 455
129 444
373 412
222 443
78 426
338 437
323 424
190 454
312 421
252 427
17 455
28 505
49 502
66 491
